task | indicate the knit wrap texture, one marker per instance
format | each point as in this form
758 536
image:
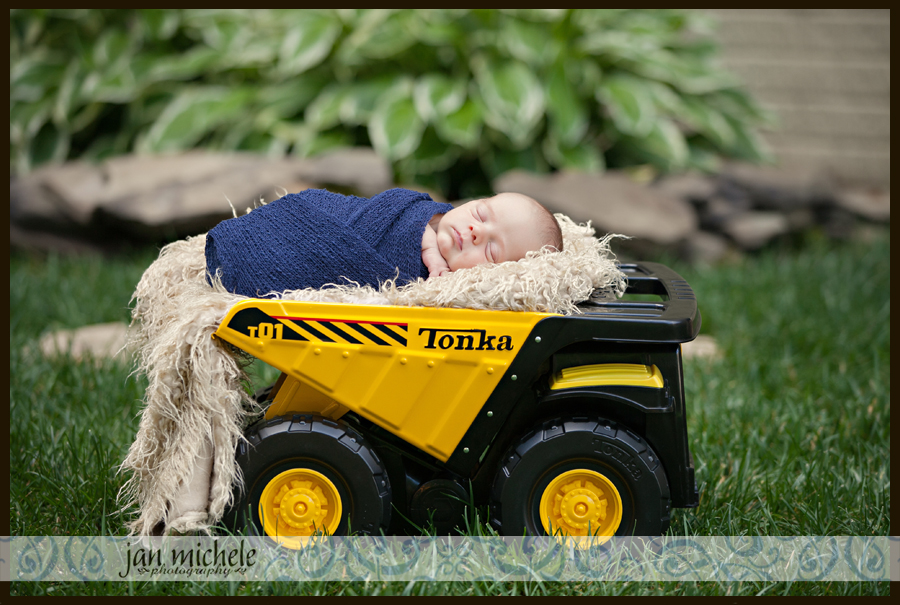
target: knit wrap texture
316 237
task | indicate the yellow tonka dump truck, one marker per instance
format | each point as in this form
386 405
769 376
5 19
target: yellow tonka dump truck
387 418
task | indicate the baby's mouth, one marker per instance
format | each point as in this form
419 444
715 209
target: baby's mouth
459 241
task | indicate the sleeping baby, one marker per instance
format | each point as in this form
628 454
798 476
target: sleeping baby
492 230
316 237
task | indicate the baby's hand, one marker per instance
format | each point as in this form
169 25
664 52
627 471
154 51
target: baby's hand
431 255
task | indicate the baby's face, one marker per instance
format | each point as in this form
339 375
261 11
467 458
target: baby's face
492 230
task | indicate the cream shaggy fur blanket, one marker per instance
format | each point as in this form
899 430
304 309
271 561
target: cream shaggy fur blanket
181 466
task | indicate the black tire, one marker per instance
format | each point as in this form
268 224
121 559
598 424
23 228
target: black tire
599 446
306 443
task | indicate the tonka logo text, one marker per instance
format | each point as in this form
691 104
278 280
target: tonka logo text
466 340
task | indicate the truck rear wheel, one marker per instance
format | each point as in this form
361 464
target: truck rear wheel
304 476
581 477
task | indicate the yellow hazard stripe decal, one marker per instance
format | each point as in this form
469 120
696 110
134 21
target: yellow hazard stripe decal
385 334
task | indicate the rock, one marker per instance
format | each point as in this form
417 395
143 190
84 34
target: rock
691 187
754 229
132 176
433 193
177 209
720 209
871 204
358 168
169 196
778 189
537 186
733 192
97 199
838 223
707 248
702 347
613 202
100 341
81 207
44 241
35 202
76 189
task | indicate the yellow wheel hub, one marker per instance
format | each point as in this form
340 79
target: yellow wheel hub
297 504
581 503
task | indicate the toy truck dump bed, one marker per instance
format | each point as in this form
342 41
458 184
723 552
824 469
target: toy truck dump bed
571 424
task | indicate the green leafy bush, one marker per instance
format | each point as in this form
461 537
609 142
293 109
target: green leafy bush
451 97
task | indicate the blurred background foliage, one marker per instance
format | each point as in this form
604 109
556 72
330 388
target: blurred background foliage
451 97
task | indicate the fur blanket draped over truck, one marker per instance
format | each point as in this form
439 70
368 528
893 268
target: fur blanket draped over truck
181 466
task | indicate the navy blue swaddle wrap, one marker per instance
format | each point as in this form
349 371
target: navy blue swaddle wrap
316 237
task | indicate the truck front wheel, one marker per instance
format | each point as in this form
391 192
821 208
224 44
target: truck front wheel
579 477
306 476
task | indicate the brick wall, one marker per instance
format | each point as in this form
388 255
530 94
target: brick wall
827 74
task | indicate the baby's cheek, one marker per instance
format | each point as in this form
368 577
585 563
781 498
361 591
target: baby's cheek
466 261
441 242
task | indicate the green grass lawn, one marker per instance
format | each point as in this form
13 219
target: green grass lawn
789 429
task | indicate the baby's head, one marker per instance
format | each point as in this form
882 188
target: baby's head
494 230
